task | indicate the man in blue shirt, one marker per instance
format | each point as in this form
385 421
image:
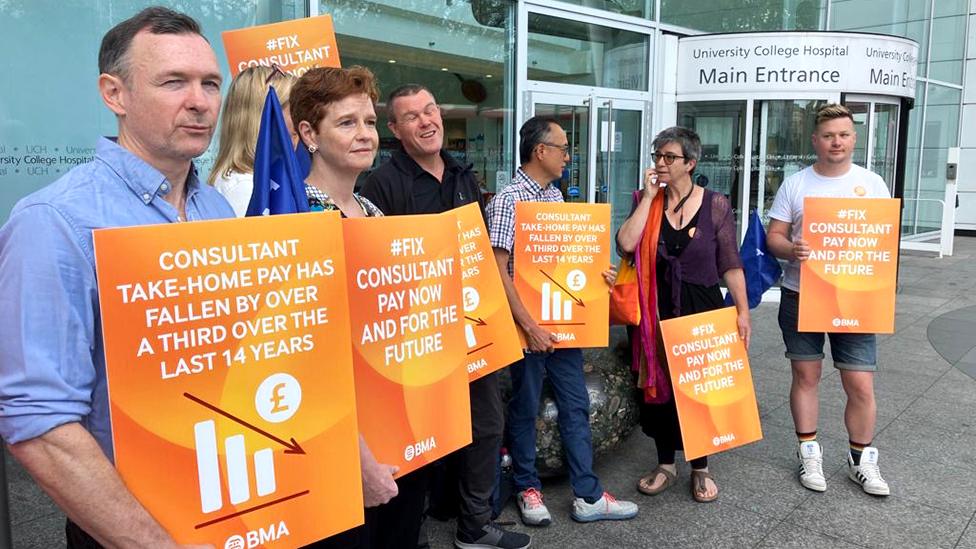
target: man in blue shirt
160 78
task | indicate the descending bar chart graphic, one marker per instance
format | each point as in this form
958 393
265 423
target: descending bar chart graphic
236 462
554 307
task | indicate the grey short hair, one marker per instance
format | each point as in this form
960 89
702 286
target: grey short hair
691 147
114 52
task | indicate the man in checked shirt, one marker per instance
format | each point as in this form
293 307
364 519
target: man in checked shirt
543 153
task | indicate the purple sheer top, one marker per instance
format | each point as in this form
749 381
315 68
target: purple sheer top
711 252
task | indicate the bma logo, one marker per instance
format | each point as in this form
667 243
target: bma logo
723 439
414 450
846 322
259 537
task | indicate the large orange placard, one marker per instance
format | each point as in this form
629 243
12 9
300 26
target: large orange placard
295 46
712 382
560 252
408 337
230 377
848 283
489 330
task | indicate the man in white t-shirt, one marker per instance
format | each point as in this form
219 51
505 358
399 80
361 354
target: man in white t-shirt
855 355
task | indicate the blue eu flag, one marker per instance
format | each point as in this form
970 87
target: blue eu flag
304 160
761 268
278 185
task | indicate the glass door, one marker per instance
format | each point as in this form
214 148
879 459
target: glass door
573 115
721 125
605 137
619 158
781 146
876 123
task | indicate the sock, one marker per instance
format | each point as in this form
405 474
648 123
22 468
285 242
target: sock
806 437
856 449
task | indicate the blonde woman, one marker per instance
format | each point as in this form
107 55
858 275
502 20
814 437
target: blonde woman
233 171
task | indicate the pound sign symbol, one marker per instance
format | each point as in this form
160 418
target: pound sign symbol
276 398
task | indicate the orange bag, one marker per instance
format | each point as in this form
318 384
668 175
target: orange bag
625 297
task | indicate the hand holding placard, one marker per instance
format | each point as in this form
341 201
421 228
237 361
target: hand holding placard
712 382
848 281
408 337
561 251
224 409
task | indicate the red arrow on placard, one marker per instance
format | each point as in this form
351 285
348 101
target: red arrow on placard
477 321
293 446
567 292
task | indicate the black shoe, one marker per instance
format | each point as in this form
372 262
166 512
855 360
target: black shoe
490 536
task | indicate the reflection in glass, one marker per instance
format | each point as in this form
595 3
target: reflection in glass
572 52
575 121
634 8
781 147
739 15
884 126
618 162
721 127
861 112
461 50
55 111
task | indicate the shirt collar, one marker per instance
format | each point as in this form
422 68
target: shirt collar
530 184
142 179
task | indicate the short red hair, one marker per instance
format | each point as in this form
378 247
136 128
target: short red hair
320 87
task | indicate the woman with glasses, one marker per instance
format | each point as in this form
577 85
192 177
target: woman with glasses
683 237
233 171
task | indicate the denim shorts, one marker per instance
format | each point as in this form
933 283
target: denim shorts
849 351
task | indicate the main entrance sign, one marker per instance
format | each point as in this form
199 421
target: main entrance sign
793 62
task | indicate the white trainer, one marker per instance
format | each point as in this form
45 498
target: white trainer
534 511
811 466
605 508
868 474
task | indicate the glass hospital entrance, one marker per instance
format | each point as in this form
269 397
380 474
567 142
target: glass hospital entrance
756 132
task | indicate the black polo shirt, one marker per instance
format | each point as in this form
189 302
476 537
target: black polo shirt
401 187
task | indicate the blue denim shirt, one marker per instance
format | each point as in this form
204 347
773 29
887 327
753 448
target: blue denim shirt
52 364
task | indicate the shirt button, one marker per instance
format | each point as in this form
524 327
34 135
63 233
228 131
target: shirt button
147 198
164 187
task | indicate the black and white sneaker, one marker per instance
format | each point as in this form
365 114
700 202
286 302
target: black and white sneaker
491 536
867 473
811 466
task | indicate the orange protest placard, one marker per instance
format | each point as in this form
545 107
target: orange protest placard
408 337
712 382
489 330
295 46
230 377
560 252
848 283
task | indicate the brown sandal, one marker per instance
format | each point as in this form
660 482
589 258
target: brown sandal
644 484
698 487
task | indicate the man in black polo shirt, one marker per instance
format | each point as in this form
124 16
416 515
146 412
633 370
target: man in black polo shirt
421 178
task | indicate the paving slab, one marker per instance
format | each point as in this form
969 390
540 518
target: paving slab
847 513
791 536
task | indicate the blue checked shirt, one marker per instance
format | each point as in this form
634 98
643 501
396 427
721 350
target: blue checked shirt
52 363
501 210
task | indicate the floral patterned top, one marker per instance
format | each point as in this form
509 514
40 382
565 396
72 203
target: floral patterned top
318 201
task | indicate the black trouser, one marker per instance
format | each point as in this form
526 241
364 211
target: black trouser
395 525
660 421
477 461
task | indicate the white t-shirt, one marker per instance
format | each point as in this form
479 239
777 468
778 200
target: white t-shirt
236 188
788 204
